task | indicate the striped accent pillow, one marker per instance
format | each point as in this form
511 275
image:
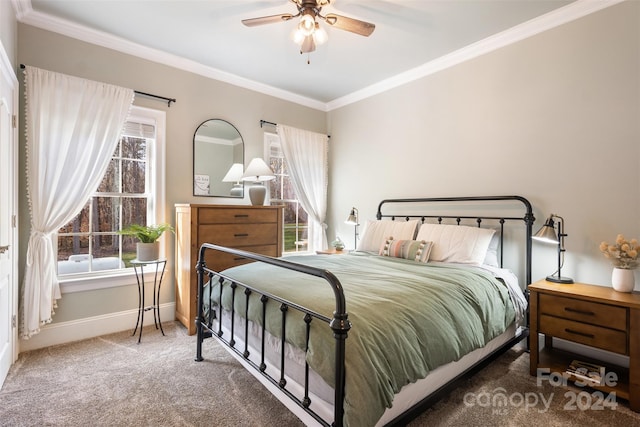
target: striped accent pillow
416 250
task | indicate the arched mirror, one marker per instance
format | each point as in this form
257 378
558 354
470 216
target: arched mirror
218 160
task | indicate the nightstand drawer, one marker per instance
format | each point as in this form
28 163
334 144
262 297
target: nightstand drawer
595 336
584 311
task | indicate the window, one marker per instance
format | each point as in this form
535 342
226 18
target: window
296 223
131 191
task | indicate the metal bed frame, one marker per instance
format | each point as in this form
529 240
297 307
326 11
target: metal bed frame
339 322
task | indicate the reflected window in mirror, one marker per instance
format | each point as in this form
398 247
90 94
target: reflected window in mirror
218 159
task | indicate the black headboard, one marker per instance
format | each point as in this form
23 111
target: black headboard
468 203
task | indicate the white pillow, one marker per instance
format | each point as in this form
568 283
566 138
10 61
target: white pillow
376 232
456 243
491 258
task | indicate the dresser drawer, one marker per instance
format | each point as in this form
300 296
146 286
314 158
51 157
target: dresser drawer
583 333
219 261
584 311
237 235
237 216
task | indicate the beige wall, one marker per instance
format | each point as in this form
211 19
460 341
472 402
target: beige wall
554 118
8 30
198 99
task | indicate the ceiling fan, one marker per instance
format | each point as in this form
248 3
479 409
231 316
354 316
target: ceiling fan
309 33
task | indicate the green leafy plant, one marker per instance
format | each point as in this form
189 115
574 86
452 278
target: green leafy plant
146 233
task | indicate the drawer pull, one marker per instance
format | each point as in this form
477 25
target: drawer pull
573 310
571 331
241 235
238 258
241 216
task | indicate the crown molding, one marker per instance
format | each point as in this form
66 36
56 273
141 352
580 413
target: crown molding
563 15
89 35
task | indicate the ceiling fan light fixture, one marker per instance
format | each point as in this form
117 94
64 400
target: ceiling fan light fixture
307 24
297 36
320 36
308 45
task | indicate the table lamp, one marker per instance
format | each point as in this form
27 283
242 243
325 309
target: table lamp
547 234
235 175
258 172
352 219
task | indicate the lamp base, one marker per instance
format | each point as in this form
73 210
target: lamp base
237 190
556 279
257 193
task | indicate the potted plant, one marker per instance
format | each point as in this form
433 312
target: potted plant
624 256
148 247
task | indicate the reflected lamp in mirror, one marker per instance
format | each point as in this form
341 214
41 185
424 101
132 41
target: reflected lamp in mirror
217 146
235 175
548 234
258 172
352 219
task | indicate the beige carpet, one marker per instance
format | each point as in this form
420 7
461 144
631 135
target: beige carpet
113 381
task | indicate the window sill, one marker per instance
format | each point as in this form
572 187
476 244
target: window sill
83 283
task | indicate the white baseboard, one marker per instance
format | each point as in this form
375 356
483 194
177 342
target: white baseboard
90 327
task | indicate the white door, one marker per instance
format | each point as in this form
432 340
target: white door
8 206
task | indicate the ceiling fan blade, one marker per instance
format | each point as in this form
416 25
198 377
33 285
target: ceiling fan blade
349 24
272 19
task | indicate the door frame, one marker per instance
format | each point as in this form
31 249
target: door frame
8 77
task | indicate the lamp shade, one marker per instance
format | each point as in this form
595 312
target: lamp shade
235 173
547 233
258 171
352 219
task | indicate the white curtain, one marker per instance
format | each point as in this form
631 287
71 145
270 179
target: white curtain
306 154
72 127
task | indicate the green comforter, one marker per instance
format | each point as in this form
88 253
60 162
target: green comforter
407 319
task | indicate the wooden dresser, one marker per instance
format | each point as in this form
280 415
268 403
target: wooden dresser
595 316
251 228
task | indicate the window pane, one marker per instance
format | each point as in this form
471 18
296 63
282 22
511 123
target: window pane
133 176
134 148
274 188
275 163
80 224
106 245
110 183
288 192
128 248
107 214
303 218
302 240
134 211
72 245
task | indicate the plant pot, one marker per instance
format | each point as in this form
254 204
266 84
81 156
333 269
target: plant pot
147 251
623 279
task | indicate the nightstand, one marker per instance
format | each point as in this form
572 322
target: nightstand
596 316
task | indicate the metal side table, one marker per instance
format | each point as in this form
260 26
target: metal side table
138 267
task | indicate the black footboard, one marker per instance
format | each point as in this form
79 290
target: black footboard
339 323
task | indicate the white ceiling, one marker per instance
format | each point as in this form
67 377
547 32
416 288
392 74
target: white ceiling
207 37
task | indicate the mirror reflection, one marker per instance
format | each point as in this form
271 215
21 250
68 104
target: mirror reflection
218 160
